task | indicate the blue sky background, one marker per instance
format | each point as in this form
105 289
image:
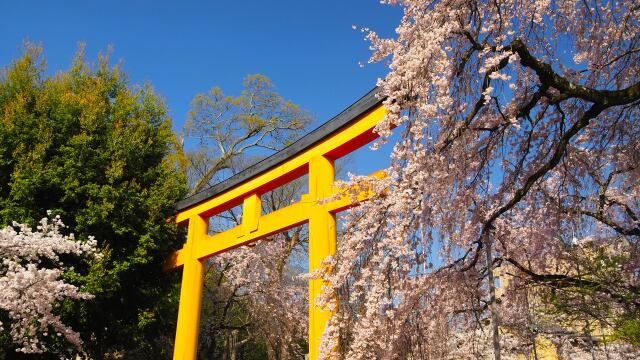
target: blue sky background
307 48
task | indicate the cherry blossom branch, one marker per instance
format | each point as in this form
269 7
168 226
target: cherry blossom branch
564 281
607 221
625 54
604 98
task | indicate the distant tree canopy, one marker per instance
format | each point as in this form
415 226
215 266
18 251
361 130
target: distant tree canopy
230 129
99 152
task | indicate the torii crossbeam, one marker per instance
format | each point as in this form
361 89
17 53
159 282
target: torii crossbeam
314 154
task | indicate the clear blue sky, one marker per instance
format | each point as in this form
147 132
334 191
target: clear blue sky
307 48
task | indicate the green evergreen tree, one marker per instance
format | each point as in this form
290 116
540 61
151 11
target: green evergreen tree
100 153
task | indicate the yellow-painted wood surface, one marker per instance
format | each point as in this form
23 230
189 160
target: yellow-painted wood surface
360 126
186 344
322 243
317 208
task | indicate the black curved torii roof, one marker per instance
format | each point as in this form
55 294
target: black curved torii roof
368 101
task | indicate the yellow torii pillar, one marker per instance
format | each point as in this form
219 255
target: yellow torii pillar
314 154
322 239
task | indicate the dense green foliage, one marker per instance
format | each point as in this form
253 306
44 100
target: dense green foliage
99 153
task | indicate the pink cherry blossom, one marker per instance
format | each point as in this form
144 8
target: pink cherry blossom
29 290
513 193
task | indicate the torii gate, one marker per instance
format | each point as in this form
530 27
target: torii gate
314 154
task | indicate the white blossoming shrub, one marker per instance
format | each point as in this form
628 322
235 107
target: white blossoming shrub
29 290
